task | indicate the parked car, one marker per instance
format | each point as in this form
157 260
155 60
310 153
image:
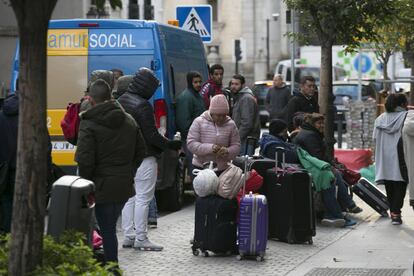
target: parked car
348 90
260 90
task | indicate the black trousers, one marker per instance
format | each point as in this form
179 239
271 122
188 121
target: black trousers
395 192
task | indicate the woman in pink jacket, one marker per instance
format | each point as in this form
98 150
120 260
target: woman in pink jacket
213 136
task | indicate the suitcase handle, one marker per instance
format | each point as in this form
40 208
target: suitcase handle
246 158
282 149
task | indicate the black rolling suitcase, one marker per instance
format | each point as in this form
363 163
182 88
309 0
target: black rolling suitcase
371 195
215 225
290 196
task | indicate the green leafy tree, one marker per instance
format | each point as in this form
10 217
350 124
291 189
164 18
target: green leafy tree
338 22
387 41
396 33
29 191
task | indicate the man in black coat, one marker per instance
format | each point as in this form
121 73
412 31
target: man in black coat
305 101
110 147
9 118
135 213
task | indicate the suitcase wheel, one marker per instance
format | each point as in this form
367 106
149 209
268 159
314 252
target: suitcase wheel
239 257
310 241
259 258
291 241
196 252
205 254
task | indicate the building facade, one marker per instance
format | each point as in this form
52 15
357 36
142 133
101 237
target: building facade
238 19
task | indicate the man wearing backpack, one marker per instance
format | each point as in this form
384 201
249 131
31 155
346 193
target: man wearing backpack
135 212
110 147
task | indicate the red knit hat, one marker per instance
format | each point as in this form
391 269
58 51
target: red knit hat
219 105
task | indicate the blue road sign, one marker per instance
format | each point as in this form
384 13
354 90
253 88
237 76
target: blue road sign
366 63
197 19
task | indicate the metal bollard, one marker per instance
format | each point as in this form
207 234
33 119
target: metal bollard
72 202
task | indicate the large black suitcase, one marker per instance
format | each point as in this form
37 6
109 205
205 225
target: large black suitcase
215 225
291 211
372 196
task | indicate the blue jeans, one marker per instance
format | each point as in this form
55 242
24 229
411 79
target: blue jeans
247 151
107 214
152 211
343 196
331 200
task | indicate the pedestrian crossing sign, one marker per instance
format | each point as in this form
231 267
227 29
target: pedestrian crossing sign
196 19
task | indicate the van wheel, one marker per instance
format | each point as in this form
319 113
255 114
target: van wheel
174 196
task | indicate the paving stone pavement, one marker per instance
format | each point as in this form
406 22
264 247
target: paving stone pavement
175 231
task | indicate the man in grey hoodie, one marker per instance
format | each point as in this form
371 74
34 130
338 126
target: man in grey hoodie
245 113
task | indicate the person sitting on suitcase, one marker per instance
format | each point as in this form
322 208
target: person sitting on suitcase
311 139
278 137
213 136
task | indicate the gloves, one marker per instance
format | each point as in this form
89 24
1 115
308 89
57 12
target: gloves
223 152
175 144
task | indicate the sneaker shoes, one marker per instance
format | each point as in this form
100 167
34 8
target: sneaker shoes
333 222
396 219
128 242
152 224
349 222
355 209
147 245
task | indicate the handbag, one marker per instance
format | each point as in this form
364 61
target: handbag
230 182
351 177
4 176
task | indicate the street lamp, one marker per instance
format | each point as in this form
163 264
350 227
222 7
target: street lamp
275 16
290 19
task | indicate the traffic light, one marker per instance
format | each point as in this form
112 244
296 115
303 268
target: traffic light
237 50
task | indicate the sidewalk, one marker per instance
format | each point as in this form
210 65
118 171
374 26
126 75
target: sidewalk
373 243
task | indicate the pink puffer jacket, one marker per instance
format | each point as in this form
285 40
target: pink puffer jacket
204 133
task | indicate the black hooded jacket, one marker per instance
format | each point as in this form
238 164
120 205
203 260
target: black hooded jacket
311 140
135 102
109 150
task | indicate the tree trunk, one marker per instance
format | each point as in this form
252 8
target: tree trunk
30 186
326 97
387 85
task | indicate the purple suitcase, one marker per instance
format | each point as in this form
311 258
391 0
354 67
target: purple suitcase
253 224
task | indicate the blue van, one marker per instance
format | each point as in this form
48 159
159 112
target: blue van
77 47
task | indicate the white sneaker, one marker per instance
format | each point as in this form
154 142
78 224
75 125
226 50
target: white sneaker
128 242
147 245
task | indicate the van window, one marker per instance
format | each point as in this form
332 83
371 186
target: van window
62 89
280 70
129 64
288 77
